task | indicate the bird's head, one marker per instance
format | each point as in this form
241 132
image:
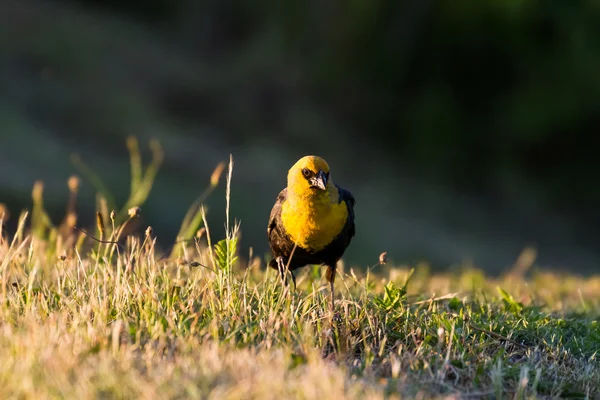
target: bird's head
309 177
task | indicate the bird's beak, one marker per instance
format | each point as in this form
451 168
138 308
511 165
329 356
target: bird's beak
319 181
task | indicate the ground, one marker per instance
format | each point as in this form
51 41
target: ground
120 321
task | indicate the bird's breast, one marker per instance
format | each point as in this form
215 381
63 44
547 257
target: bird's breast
313 225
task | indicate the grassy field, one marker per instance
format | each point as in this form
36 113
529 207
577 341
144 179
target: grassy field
84 319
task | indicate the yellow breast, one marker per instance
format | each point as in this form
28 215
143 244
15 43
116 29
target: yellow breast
313 224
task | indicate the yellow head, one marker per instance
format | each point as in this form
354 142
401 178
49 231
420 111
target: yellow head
309 177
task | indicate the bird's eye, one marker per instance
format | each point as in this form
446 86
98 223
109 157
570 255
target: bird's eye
306 172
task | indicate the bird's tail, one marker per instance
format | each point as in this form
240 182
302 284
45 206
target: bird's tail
273 264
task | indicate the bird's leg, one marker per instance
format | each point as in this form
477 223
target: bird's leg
282 269
331 279
332 295
293 279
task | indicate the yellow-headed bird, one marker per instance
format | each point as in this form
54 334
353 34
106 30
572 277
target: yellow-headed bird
312 221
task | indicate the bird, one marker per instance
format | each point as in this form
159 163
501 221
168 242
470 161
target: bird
312 221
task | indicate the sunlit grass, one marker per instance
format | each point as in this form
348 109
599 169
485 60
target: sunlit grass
113 317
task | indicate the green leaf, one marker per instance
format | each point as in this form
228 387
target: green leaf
392 297
225 253
510 304
455 304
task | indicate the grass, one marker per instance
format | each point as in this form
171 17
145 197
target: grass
80 318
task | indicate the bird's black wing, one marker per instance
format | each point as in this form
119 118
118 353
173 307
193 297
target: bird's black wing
348 198
278 239
275 217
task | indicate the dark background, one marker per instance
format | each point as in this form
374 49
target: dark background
466 129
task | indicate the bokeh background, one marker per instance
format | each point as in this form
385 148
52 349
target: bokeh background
466 130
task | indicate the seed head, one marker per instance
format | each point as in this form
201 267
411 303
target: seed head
383 258
149 231
113 214
38 191
134 212
132 142
73 183
200 232
4 214
100 223
71 219
216 175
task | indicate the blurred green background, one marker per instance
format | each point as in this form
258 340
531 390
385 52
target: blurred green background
466 130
